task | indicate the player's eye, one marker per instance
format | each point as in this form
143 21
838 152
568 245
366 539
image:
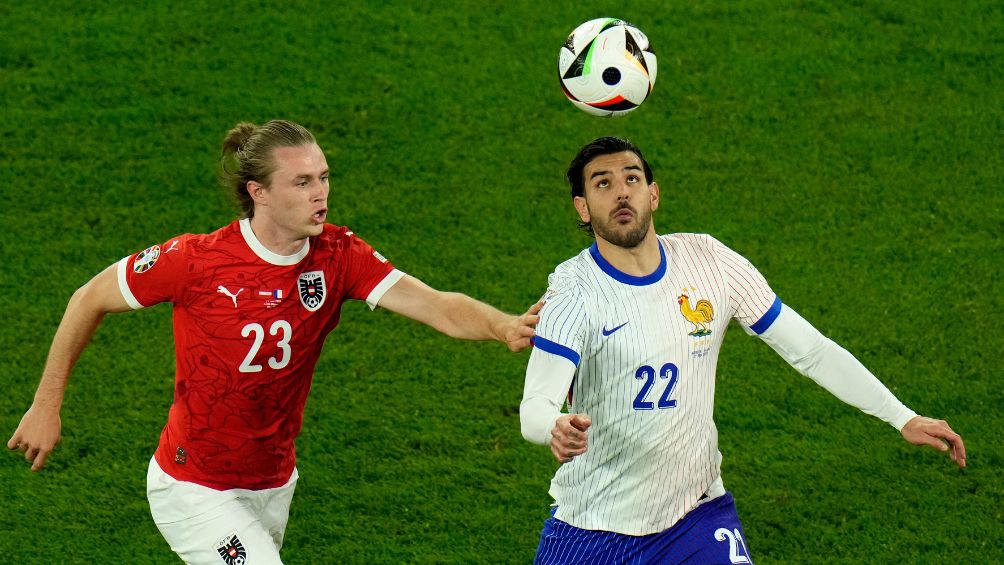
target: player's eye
324 179
603 183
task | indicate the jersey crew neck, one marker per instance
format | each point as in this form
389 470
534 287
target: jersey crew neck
264 253
620 276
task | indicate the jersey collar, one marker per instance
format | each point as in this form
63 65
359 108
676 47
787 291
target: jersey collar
620 276
263 252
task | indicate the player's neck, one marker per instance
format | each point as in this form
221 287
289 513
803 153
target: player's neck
274 238
638 261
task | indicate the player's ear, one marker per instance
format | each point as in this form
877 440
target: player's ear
581 208
654 191
256 191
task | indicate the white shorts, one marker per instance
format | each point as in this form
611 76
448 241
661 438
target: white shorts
208 526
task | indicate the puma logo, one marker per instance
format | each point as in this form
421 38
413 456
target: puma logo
232 296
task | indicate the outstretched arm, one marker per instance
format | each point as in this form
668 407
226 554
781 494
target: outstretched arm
836 370
458 315
38 433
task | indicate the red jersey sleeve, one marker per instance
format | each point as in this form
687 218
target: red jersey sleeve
156 274
369 274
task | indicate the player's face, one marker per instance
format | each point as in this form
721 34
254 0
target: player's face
618 200
295 201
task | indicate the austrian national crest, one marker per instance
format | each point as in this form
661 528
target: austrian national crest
231 550
311 287
700 315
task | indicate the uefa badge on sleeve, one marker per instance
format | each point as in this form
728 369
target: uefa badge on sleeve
311 287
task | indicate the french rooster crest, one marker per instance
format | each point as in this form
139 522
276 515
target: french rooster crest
700 315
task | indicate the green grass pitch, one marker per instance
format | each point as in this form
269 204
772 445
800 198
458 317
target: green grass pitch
851 150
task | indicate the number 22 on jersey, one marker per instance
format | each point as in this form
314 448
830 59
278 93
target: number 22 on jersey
646 373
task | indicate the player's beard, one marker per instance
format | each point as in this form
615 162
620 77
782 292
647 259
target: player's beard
624 236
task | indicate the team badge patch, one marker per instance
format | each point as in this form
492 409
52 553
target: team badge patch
700 315
146 259
311 287
231 550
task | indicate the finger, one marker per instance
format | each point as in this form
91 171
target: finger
958 446
519 344
13 443
581 422
30 453
558 455
40 461
536 307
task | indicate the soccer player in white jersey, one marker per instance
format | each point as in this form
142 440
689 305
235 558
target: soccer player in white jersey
629 337
253 302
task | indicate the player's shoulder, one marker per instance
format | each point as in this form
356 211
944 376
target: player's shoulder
702 244
337 239
570 276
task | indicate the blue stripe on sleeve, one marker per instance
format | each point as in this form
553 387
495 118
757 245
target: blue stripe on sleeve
768 318
556 349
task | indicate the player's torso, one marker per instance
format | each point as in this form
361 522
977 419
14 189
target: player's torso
650 351
646 378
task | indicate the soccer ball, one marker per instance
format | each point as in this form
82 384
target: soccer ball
607 67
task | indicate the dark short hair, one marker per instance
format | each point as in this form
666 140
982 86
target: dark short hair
593 149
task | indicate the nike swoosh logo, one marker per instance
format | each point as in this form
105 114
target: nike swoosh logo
607 332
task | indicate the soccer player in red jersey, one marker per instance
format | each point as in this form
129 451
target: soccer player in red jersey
253 302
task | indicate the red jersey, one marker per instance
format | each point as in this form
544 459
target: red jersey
248 329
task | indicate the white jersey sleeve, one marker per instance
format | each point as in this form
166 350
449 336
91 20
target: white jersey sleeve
548 379
833 368
752 302
561 329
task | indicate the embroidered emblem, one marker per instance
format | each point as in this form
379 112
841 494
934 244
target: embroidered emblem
700 315
231 550
311 287
173 246
180 456
146 259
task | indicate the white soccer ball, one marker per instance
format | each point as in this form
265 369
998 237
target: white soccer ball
607 67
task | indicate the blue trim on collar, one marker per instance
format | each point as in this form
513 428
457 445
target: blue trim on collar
549 346
620 276
765 321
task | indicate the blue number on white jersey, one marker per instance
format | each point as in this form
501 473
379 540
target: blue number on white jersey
647 373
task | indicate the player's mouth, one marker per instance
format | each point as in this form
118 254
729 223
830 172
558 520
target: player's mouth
320 215
623 215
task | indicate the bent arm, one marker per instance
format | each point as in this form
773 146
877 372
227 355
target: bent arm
458 315
548 380
38 432
833 367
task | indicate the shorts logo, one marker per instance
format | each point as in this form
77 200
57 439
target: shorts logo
146 259
231 550
700 315
311 287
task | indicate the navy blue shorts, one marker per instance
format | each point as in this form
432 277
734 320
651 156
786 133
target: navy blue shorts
711 533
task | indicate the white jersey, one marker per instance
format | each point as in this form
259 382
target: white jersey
646 351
